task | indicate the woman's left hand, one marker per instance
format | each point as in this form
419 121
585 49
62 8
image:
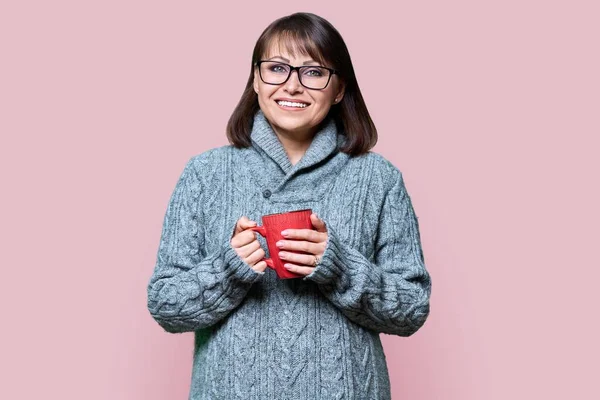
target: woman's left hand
305 240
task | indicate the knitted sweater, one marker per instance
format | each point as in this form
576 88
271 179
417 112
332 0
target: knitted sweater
315 337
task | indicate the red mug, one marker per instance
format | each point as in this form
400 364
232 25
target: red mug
271 229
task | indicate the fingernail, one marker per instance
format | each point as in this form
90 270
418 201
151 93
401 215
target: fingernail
279 244
284 233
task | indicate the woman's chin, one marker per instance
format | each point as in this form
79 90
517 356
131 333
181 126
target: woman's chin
294 128
291 124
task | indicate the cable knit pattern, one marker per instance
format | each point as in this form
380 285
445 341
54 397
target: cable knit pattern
316 337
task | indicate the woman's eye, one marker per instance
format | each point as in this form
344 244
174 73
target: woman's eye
313 72
278 68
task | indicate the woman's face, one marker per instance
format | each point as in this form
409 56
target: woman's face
293 121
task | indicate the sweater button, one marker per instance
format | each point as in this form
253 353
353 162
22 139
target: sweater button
266 193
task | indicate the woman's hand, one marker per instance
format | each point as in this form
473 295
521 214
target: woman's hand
247 246
306 240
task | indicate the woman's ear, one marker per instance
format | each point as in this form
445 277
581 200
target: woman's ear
340 94
255 83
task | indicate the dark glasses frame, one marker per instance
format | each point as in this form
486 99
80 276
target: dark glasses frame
292 69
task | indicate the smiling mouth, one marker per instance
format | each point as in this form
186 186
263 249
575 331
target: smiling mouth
291 105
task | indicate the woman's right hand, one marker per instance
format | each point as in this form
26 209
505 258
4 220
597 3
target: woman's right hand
246 245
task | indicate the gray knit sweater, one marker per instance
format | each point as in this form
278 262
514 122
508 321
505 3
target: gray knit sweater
316 337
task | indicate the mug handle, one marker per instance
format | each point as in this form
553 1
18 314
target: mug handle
263 231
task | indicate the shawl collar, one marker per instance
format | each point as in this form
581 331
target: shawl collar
325 142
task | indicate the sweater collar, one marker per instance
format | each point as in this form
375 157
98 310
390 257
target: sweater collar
325 142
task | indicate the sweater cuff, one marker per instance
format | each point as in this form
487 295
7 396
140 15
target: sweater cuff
330 269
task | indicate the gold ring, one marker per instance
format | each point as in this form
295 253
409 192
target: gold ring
317 261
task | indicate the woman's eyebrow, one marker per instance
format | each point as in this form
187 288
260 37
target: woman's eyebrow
287 61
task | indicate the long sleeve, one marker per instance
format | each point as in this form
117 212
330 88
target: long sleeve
391 294
189 289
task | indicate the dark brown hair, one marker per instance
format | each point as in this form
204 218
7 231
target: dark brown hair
316 37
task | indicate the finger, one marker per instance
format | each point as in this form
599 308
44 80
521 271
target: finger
299 269
248 249
302 245
304 234
243 238
260 266
294 258
318 223
243 223
255 256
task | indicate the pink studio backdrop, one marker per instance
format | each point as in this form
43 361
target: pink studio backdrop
490 109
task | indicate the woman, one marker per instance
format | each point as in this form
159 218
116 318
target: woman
301 136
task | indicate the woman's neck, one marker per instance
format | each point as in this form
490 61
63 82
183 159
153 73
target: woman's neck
295 143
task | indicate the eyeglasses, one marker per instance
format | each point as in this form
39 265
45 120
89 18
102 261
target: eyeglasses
310 76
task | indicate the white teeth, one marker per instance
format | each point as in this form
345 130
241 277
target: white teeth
290 104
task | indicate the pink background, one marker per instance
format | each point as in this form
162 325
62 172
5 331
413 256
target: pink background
490 109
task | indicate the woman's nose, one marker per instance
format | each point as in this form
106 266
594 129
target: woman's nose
293 82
